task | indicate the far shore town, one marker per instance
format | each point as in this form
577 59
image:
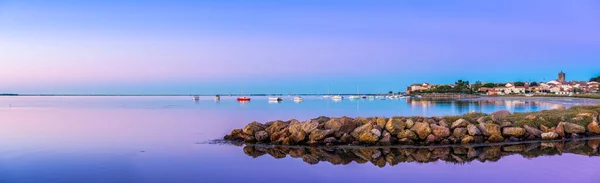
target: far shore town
559 86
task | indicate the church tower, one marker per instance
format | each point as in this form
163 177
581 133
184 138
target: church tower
561 77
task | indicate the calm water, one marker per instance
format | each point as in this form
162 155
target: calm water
164 139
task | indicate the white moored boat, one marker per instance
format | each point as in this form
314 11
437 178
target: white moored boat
275 99
337 97
196 98
298 99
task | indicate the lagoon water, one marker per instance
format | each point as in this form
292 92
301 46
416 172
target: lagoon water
168 139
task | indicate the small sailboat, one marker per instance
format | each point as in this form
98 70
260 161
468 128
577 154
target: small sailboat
242 98
355 96
195 98
337 97
217 97
328 95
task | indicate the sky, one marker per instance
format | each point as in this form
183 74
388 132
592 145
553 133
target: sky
284 46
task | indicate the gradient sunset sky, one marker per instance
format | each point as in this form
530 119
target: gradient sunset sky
206 47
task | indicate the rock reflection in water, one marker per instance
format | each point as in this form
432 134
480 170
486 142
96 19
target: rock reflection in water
454 154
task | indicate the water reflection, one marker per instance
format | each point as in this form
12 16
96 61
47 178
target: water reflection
468 105
451 154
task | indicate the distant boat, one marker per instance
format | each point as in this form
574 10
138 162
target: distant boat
275 99
327 96
243 99
298 99
217 97
337 97
196 98
355 96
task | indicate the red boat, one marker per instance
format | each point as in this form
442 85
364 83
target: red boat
243 99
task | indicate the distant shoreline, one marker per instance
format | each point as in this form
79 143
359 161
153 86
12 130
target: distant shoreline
163 95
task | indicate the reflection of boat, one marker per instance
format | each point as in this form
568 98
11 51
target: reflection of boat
196 98
275 99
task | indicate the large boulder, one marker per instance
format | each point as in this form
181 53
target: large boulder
253 127
370 137
318 135
444 123
386 139
594 127
440 131
549 136
560 129
394 126
408 134
275 127
346 138
321 119
431 139
489 129
421 129
367 133
496 138
234 135
347 126
297 134
473 130
533 131
261 136
309 126
279 136
513 131
409 123
333 124
381 121
544 128
466 139
460 123
459 132
496 116
505 124
573 128
361 129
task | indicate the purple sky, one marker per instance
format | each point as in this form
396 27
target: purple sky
181 47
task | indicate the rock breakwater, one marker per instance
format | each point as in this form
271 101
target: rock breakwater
472 128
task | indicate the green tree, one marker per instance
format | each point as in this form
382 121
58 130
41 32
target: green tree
519 83
597 79
489 85
476 86
533 84
390 92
